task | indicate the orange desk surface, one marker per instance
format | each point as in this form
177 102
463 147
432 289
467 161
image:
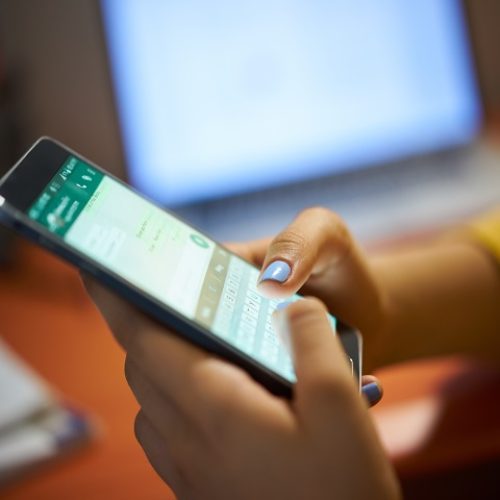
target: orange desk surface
47 318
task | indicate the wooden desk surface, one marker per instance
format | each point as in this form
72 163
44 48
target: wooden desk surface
47 318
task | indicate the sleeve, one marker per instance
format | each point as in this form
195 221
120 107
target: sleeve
486 230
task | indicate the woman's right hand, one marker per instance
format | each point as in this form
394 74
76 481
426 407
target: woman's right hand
317 255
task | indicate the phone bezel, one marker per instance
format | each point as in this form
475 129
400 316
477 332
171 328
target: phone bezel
35 170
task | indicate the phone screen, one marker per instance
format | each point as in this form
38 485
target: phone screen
164 257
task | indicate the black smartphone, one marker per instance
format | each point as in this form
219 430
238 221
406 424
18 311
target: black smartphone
167 268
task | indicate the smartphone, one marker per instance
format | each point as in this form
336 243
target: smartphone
167 268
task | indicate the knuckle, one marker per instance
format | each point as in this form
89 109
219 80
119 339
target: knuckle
317 213
339 234
336 233
324 217
328 218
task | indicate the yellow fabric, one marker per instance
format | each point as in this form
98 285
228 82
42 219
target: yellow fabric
486 229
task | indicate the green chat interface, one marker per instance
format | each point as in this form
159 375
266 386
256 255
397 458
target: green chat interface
162 256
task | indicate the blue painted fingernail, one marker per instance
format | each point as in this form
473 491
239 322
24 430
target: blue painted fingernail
276 271
372 392
283 305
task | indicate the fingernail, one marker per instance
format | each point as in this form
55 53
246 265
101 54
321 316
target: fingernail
372 393
276 271
282 305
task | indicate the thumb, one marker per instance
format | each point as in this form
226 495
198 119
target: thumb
324 377
317 247
329 410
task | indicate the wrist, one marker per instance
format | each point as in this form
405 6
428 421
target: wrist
434 296
377 338
382 342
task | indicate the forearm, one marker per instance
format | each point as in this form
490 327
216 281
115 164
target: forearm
443 298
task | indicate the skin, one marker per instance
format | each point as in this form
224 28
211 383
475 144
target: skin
210 431
197 410
441 298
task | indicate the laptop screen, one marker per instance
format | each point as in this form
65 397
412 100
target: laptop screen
222 97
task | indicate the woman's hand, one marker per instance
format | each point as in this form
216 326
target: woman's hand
211 431
317 255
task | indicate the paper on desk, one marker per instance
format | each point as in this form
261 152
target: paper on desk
35 427
22 392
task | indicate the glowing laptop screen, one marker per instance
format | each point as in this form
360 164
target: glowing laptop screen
222 97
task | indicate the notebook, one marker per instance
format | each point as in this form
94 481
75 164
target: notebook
36 425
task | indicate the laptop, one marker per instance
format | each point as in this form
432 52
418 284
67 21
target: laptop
240 114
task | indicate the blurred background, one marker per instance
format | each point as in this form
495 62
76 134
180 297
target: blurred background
238 115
